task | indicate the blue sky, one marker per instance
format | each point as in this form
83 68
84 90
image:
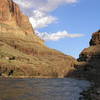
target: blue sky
65 25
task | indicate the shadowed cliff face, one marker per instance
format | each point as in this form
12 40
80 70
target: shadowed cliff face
22 53
93 52
89 61
89 67
95 38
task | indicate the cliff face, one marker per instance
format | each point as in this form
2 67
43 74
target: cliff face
88 67
95 38
22 53
91 69
14 23
10 14
93 52
89 61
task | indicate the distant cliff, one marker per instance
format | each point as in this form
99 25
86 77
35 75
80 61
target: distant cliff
88 65
95 38
93 52
22 53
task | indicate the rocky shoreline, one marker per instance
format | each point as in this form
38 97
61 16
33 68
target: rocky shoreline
93 93
91 69
88 68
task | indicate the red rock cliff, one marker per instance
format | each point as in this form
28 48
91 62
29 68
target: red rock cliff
23 52
12 20
10 14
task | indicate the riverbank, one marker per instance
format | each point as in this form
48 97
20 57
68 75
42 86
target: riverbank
92 93
25 77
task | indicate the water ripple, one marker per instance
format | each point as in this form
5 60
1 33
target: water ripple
42 89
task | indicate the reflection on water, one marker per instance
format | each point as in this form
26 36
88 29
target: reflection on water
41 89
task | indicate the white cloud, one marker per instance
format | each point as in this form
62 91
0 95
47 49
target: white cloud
44 5
38 10
23 3
56 36
51 5
40 19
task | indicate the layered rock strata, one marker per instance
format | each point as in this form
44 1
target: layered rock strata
22 53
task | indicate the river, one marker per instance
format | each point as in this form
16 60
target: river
42 89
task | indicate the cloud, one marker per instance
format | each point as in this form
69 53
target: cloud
40 19
57 36
43 5
51 5
38 10
23 3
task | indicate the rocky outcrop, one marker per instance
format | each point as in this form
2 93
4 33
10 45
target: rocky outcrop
88 68
22 53
89 61
92 52
95 38
10 14
91 56
15 23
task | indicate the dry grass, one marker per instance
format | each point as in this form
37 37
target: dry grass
27 58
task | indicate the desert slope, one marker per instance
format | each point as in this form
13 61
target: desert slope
22 53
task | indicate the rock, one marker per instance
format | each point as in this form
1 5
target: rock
92 52
22 53
95 38
91 56
10 14
88 66
12 20
7 58
98 91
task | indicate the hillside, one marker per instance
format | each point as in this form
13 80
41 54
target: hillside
91 56
88 67
22 53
